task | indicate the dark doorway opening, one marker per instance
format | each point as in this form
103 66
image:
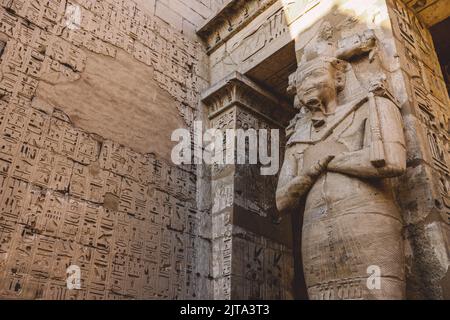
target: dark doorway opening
441 34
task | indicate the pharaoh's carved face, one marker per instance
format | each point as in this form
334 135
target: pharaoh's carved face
319 84
317 89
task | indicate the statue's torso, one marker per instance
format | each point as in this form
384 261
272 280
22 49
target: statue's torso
346 216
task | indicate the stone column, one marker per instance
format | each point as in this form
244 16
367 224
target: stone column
252 253
388 53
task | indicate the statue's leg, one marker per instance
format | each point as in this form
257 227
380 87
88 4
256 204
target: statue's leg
353 249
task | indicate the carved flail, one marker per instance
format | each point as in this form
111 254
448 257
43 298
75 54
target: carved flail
377 155
378 88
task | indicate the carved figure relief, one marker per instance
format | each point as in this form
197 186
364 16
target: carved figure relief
341 150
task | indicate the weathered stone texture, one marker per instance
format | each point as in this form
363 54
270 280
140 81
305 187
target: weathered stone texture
430 12
424 190
252 255
380 39
91 90
85 178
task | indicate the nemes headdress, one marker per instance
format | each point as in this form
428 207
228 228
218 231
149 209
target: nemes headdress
321 62
340 67
320 53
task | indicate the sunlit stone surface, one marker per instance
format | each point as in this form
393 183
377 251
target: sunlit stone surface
91 91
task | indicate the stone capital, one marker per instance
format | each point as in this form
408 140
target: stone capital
238 90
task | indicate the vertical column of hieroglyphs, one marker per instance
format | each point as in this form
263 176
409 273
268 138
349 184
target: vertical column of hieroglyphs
222 199
262 258
68 197
424 195
250 258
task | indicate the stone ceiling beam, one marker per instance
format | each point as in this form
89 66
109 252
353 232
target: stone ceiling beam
431 12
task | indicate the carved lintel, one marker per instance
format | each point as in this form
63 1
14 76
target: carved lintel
430 12
232 17
238 90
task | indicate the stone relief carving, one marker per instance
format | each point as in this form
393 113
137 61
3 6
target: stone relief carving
423 192
69 197
231 18
129 220
339 153
246 264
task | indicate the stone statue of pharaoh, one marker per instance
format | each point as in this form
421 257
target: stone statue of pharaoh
339 157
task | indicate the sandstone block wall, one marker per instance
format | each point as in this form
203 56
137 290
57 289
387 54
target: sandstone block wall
86 110
423 192
90 92
182 15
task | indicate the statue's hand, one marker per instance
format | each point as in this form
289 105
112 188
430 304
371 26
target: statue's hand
299 185
305 181
319 168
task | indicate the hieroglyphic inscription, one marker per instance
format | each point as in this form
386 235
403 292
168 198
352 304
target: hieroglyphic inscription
429 97
69 197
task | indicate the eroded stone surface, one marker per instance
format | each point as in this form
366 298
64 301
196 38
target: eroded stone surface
335 144
118 99
87 105
380 40
84 176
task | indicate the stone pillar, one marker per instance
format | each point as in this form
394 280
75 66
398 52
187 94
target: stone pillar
424 191
252 255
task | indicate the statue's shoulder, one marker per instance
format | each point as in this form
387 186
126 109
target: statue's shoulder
380 90
299 129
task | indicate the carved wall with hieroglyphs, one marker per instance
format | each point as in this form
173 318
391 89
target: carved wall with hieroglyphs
90 91
70 192
424 190
251 38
